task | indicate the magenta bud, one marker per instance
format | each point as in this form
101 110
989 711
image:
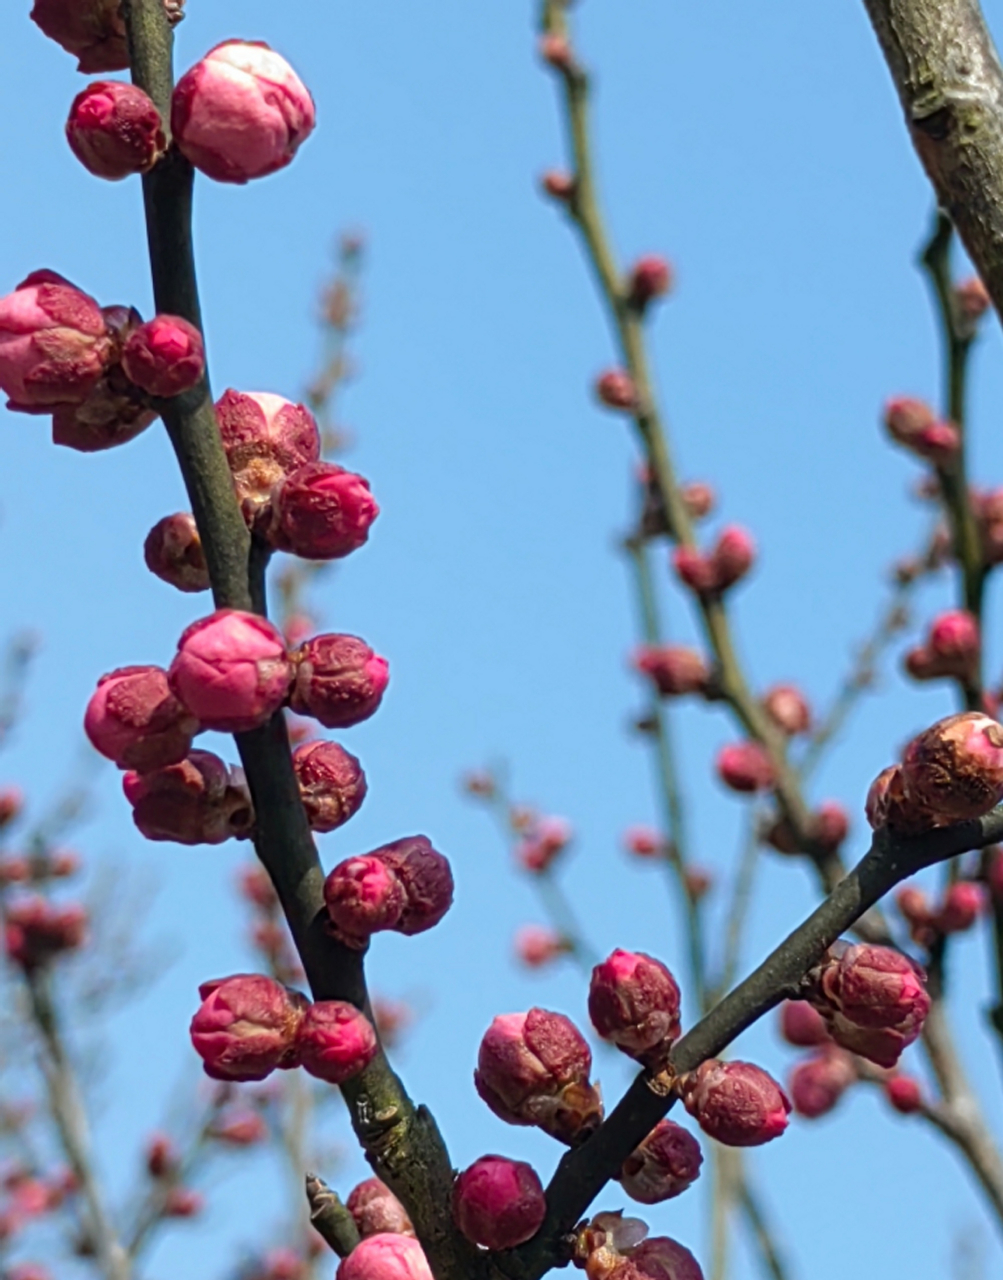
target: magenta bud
331 782
36 930
114 130
733 556
164 356
650 278
634 1002
92 30
830 825
788 708
173 551
321 512
659 1258
386 1257
673 669
963 903
241 112
335 1041
231 670
735 1102
615 389
339 680
914 425
405 886
745 767
817 1084
199 801
265 437
246 1027
955 768
114 412
663 1166
694 570
135 720
802 1025
904 1093
498 1203
375 1209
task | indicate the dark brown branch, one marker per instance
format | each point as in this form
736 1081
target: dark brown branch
329 1216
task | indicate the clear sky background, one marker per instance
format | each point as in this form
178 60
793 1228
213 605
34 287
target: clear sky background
761 148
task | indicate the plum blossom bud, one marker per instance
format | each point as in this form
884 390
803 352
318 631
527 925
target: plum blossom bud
231 670
376 1209
331 782
241 112
533 1069
246 1027
162 1156
335 1041
265 437
694 570
673 669
643 842
555 50
659 1258
199 801
817 1084
955 768
634 1002
650 278
873 999
321 512
904 1093
536 946
54 344
92 30
557 185
182 1202
164 356
498 1203
115 130
745 767
952 648
240 1129
963 904
733 556
114 412
545 839
914 906
615 389
830 825
735 1102
698 498
339 680
36 931
972 299
890 805
135 720
11 804
386 1256
802 1025
173 551
405 886
913 424
663 1166
788 708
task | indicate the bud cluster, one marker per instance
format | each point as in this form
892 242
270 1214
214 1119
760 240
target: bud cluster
959 908
406 886
952 649
714 572
914 425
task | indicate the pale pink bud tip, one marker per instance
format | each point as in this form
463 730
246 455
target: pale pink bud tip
92 30
173 551
536 946
135 720
231 671
745 767
634 1002
199 801
788 708
615 389
650 278
339 680
955 768
406 886
905 1094
818 1083
736 1103
673 669
246 1027
164 356
663 1166
115 130
386 1257
498 1203
240 113
335 1042
376 1209
265 437
331 782
321 512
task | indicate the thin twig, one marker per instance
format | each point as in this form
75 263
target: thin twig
329 1217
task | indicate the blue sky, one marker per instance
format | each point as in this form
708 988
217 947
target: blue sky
763 151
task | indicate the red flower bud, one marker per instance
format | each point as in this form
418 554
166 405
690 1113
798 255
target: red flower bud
162 1156
802 1025
36 931
331 782
913 424
673 669
11 804
733 556
663 1166
735 1102
544 840
557 185
182 1202
115 130
955 768
321 512
818 1083
890 805
386 1257
830 825
338 680
533 1069
199 801
135 720
634 1002
173 551
698 498
335 1041
788 708
650 277
694 570
963 904
904 1093
952 649
536 946
376 1209
164 356
745 767
615 389
643 842
92 30
405 886
265 437
498 1203
247 1026
659 1258
114 412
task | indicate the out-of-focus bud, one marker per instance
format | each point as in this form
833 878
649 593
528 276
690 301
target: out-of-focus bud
733 556
247 1026
698 498
817 1084
338 680
265 437
694 570
533 1069
914 425
955 768
331 782
241 112
114 412
802 1025
904 1093
498 1203
915 909
963 904
830 825
659 1258
788 708
537 946
36 931
162 1156
673 669
11 804
650 278
480 783
557 185
745 767
890 805
698 881
335 1041
873 999
386 1256
643 842
231 670
405 886
182 1202
54 344
173 551
321 512
952 648
555 50
735 1102
135 720
615 389
972 300
199 801
545 839
92 30
634 1003
114 130
375 1209
663 1166
283 1264
164 356
244 1128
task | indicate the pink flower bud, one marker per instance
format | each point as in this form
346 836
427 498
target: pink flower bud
182 1202
802 1025
335 1041
914 906
173 551
135 720
650 277
339 680
114 412
115 130
904 1093
545 839
331 782
199 801
240 113
735 1102
405 886
698 498
643 842
265 437
788 708
558 185
890 805
240 1129
733 556
386 1257
376 1210
92 30
533 1069
745 767
972 299
963 904
873 999
556 52
164 356
830 824
231 670
321 512
955 768
673 669
36 931
498 1203
663 1166
694 570
247 1026
913 424
634 1002
817 1084
54 343
659 1258
11 804
162 1156
615 389
536 946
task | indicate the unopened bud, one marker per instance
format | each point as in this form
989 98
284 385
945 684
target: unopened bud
405 886
265 437
650 278
972 299
498 1203
817 1084
335 1041
162 1156
331 782
955 768
36 931
663 1166
199 801
321 512
745 767
135 720
537 946
735 1102
542 842
558 185
164 356
788 708
634 1003
173 551
375 1209
802 1025
963 904
698 498
904 1093
114 130
890 805
338 680
913 424
615 389
386 1256
643 842
92 30
658 1258
246 1027
674 670
114 412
